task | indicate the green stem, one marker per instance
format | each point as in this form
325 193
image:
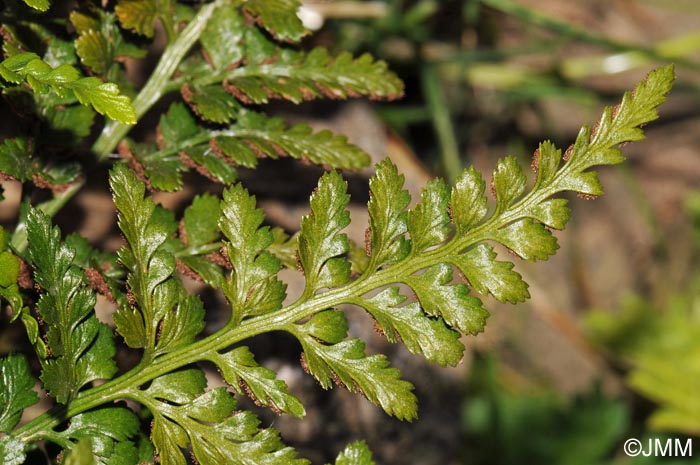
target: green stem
18 242
442 122
569 32
154 89
280 69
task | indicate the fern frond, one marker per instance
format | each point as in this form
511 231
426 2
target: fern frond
217 153
417 247
104 97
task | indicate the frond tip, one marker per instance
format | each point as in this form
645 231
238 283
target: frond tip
421 248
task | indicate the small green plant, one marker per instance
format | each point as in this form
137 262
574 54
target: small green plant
508 417
653 337
537 423
224 58
659 348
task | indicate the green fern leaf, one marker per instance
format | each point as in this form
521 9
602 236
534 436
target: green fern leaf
253 287
179 387
93 50
417 248
528 239
546 159
41 5
346 364
199 237
517 222
64 80
321 245
215 153
151 266
279 17
215 435
356 453
17 393
140 15
10 292
509 183
329 326
254 69
297 76
9 264
107 432
201 220
256 134
222 39
100 41
488 275
176 127
105 99
418 332
241 372
180 326
452 302
428 222
16 161
82 348
212 103
388 216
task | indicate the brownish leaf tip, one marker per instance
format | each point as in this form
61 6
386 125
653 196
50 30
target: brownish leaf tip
236 92
378 329
130 297
98 283
24 279
245 388
304 364
187 161
535 165
160 141
255 148
124 152
182 232
187 271
276 410
568 152
368 242
297 258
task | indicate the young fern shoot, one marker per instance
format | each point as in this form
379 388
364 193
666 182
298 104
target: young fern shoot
447 230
